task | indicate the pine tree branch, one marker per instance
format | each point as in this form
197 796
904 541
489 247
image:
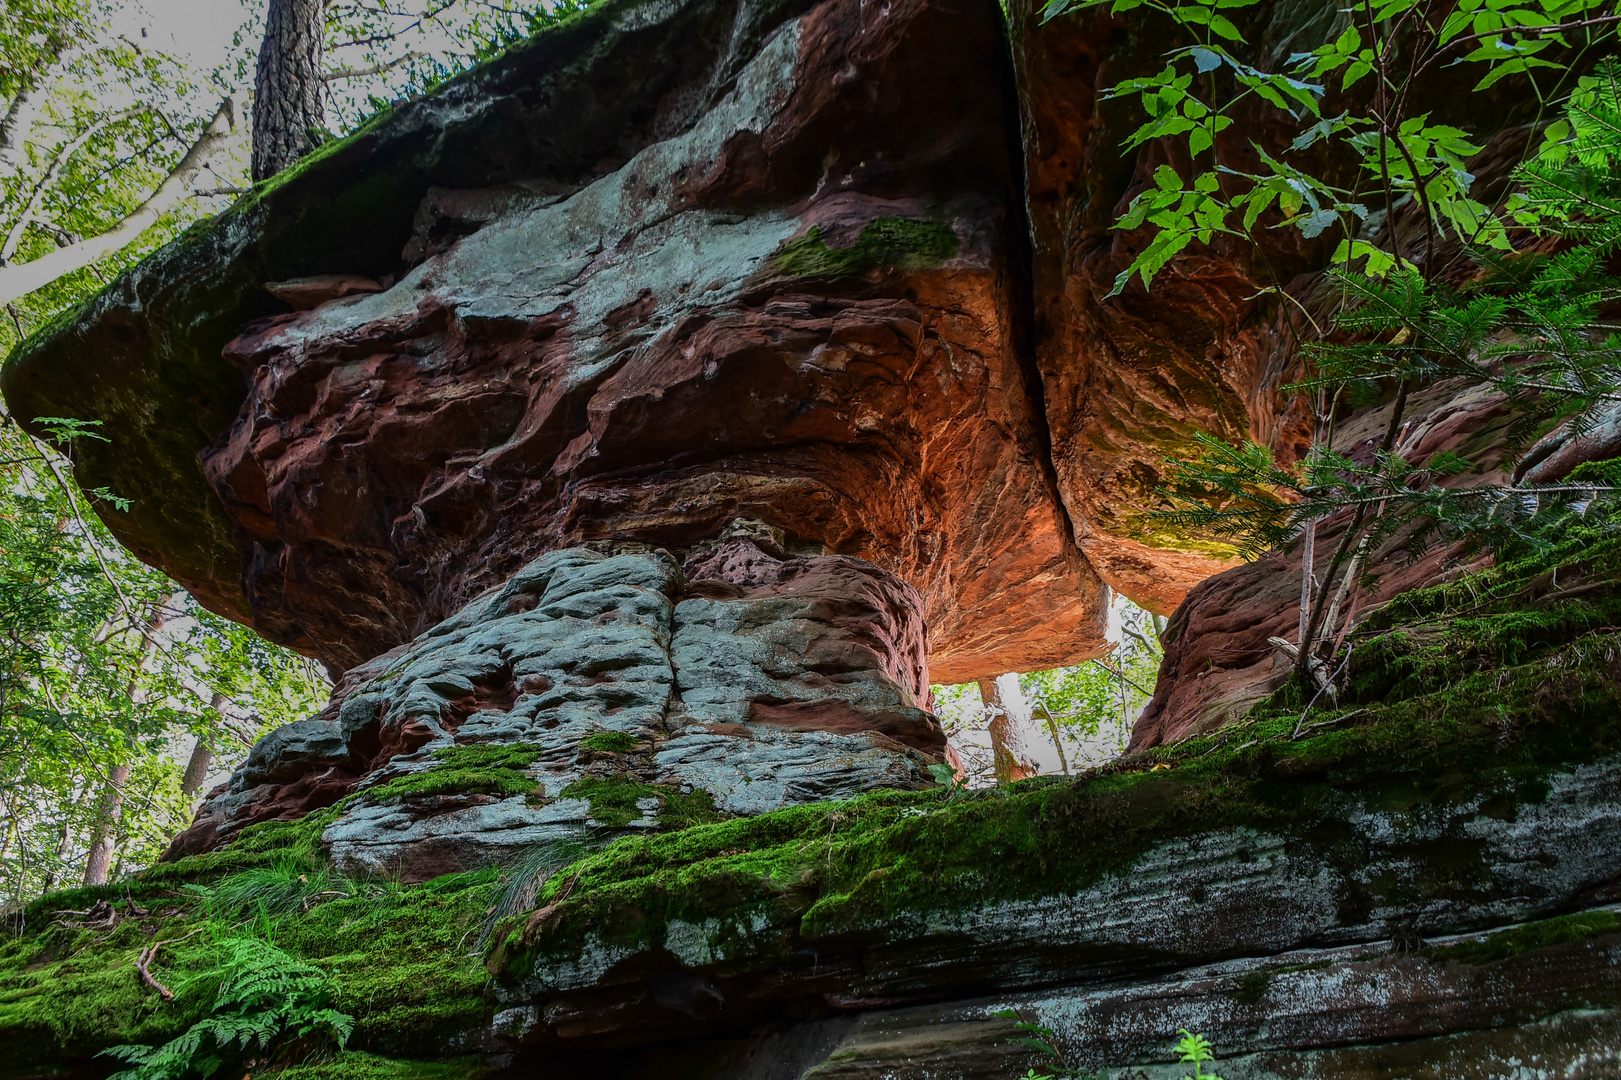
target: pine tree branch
370 69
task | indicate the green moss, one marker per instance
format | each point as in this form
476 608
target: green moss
609 742
827 871
1251 988
400 960
1537 935
884 244
1435 643
468 770
67 993
613 802
397 955
361 1066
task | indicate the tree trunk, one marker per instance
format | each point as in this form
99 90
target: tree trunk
17 126
202 755
103 835
1010 719
289 119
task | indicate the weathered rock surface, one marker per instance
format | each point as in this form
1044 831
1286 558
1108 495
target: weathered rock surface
1217 660
777 273
755 682
644 418
1352 874
1311 1014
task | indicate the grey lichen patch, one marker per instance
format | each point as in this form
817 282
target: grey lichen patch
887 243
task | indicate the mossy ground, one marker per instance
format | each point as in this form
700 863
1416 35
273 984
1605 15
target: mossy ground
1536 935
398 955
1474 689
609 742
362 1066
613 802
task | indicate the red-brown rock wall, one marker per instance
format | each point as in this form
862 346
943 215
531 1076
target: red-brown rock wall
806 308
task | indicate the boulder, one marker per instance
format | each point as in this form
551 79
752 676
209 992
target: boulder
592 682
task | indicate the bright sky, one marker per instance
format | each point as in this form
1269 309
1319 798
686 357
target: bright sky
200 29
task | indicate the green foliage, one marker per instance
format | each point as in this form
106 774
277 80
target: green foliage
1195 1049
288 886
1532 327
885 244
395 958
1208 78
265 997
273 844
1537 600
106 665
614 802
1087 710
105 120
491 770
1529 325
609 742
355 1065
1040 1039
1503 944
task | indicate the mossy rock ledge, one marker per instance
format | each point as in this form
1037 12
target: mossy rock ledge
1426 884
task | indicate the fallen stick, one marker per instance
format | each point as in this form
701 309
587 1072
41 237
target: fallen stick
150 954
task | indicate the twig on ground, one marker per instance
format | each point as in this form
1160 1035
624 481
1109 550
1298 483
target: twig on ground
150 954
1330 722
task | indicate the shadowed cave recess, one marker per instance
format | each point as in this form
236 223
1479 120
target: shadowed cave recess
636 426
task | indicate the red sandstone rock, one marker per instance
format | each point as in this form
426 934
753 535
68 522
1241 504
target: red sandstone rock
568 373
309 292
1217 660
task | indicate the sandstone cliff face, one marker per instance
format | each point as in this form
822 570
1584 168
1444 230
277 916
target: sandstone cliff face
792 289
838 268
643 420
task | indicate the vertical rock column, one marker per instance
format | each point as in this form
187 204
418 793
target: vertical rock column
600 692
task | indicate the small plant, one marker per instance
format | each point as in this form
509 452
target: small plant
1040 1039
609 742
266 997
1196 1049
946 777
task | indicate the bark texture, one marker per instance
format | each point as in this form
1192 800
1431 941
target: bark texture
289 116
1010 728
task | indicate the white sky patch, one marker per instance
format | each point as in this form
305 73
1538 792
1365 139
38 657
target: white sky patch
202 31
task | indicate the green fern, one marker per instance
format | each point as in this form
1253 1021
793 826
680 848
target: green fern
266 997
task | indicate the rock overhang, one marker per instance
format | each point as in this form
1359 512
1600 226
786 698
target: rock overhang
863 234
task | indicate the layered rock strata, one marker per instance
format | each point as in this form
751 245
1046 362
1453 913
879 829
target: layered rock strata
1352 874
591 683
